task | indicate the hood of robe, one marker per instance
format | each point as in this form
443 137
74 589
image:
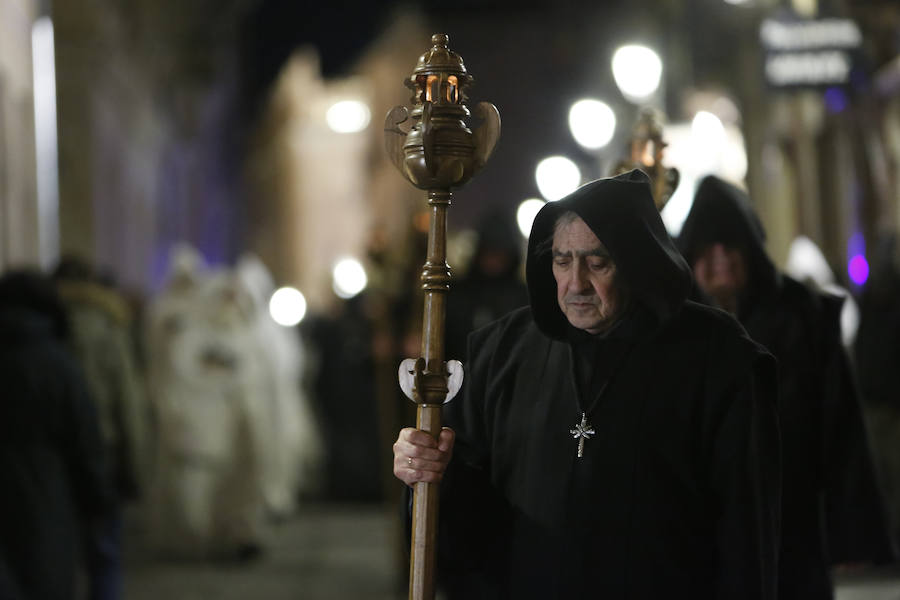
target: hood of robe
620 212
722 213
497 232
31 306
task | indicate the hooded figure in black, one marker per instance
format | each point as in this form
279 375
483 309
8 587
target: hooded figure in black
832 510
669 404
54 485
492 286
877 354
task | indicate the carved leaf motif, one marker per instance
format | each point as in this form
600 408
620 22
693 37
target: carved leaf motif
394 137
488 132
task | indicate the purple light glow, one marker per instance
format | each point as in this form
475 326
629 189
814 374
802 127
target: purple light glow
856 245
835 100
858 269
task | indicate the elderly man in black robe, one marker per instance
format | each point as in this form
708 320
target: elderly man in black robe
832 509
614 440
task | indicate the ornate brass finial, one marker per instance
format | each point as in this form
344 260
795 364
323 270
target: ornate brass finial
439 152
646 153
439 58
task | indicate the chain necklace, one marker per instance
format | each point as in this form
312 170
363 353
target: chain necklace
583 430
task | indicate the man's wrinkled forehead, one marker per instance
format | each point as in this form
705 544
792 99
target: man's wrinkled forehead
565 241
600 251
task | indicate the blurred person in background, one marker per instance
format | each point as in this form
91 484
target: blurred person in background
832 507
291 467
101 325
56 498
206 496
877 354
807 264
343 386
165 313
491 287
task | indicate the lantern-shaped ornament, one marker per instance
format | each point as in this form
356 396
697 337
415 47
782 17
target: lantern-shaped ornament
440 151
646 153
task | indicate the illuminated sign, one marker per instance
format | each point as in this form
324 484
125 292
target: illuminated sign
809 52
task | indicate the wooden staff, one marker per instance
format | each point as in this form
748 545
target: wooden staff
438 154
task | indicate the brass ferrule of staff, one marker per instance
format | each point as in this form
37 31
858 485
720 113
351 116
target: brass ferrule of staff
438 153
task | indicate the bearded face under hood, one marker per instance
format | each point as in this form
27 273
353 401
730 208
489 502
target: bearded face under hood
621 214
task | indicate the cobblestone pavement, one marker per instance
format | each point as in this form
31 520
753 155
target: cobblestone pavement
345 553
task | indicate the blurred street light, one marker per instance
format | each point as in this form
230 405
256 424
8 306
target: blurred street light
348 116
707 140
526 213
592 123
637 71
556 177
349 278
287 306
705 146
708 130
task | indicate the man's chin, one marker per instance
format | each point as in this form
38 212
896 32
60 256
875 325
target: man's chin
721 287
591 321
586 324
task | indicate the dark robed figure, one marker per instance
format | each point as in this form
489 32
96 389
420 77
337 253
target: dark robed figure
832 509
55 489
614 440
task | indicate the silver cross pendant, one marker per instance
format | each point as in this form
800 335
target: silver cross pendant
583 431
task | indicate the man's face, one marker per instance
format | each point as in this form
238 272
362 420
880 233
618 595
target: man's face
720 270
585 276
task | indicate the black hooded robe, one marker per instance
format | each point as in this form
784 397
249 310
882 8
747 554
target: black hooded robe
54 484
832 508
676 495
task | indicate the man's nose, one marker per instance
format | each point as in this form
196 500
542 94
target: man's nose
579 281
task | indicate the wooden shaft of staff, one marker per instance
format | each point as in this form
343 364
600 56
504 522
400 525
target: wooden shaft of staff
430 393
425 512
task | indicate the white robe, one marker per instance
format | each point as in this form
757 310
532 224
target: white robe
206 498
294 449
